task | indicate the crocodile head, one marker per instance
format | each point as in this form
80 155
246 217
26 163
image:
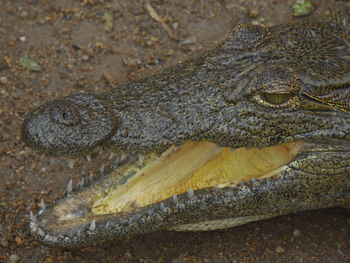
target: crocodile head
256 128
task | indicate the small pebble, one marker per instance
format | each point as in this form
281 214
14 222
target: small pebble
279 249
4 243
23 14
19 240
296 233
85 57
14 258
3 80
254 13
175 25
188 41
128 255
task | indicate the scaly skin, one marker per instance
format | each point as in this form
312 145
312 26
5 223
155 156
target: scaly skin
261 87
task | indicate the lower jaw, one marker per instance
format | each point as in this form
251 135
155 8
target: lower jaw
254 184
139 186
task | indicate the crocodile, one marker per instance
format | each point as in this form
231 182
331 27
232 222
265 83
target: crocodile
255 128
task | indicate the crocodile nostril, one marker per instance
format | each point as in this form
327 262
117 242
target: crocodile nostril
65 114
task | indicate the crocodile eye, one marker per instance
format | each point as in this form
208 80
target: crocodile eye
276 87
277 100
65 114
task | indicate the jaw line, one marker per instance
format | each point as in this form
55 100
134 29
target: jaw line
74 211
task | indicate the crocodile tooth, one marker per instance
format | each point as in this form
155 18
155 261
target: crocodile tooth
78 233
162 207
107 225
70 186
111 155
92 226
32 216
123 156
88 157
71 163
81 183
141 158
41 232
174 199
42 204
102 169
71 234
218 147
190 193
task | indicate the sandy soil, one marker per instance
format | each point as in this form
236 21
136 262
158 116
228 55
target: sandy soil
78 54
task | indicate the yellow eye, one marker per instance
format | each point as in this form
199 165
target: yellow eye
277 98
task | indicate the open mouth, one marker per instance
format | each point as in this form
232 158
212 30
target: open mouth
142 188
190 167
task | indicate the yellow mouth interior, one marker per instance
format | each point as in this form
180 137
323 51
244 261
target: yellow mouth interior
194 165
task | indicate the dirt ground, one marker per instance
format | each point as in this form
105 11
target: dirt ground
79 52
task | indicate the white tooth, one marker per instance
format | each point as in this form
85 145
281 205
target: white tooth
70 234
102 169
70 186
123 156
107 225
174 199
190 193
71 163
141 158
162 206
92 226
88 157
41 232
32 216
240 183
78 233
111 155
81 184
42 204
